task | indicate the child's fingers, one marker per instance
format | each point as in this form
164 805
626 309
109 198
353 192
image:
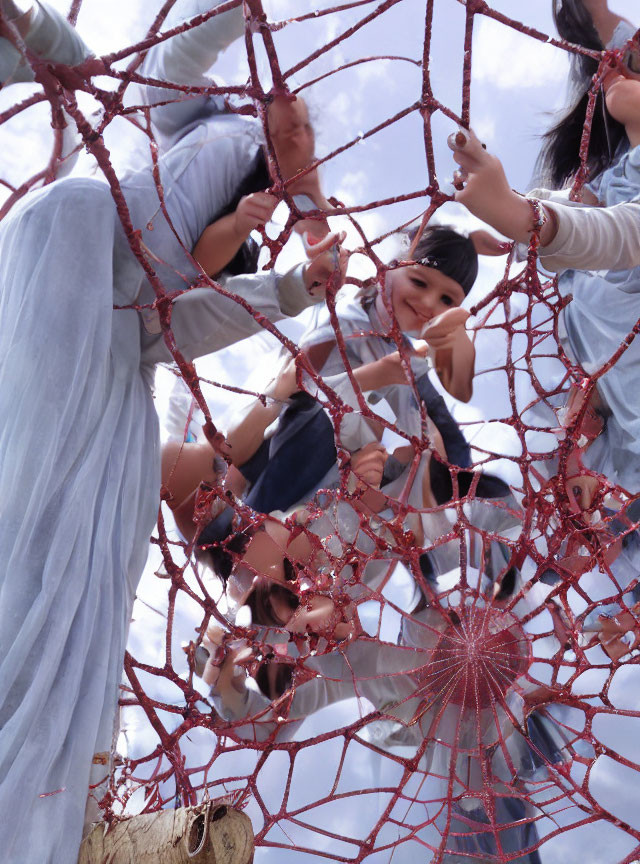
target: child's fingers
256 209
465 140
368 463
260 212
262 199
459 179
445 323
211 673
336 238
466 161
266 208
287 383
373 447
486 244
371 470
325 265
215 634
267 199
437 343
421 350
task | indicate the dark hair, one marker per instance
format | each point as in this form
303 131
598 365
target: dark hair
221 554
448 252
257 180
507 585
260 599
282 681
575 24
559 159
560 156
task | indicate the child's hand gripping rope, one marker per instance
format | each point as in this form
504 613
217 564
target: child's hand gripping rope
327 264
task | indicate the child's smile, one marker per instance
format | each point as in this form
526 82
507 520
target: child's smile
419 294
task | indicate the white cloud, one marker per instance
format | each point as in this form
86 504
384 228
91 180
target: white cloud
507 59
377 70
485 129
351 186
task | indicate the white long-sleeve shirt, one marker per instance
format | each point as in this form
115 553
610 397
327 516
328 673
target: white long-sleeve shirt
50 37
591 238
184 59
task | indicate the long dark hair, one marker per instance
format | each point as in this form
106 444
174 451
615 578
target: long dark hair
560 156
574 24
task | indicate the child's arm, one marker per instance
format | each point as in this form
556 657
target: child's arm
45 32
378 672
184 59
246 434
204 320
581 238
237 697
453 352
220 241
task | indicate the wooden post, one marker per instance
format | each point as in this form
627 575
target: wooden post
210 833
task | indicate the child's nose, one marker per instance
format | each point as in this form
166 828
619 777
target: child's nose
426 308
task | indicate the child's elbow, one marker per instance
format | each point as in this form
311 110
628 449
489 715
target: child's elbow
461 392
467 394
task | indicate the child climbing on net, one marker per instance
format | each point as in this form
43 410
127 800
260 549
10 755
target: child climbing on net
72 349
601 412
381 362
183 61
595 250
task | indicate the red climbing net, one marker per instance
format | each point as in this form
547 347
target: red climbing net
486 709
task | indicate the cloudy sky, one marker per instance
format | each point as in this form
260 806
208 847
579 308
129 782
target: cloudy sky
518 83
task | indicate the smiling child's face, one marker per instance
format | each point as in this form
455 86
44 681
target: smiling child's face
419 294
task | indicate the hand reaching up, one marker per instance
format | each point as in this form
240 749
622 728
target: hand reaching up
446 330
327 264
254 211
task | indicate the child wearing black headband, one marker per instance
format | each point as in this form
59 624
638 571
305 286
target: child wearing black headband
419 297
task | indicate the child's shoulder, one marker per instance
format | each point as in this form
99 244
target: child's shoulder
352 317
354 310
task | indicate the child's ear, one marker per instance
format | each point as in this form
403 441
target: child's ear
486 244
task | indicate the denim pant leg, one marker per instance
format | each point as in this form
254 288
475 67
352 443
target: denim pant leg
300 454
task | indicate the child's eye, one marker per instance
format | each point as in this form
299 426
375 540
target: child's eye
417 281
448 301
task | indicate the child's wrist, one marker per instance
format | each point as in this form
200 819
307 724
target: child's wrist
387 371
240 231
522 221
542 221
